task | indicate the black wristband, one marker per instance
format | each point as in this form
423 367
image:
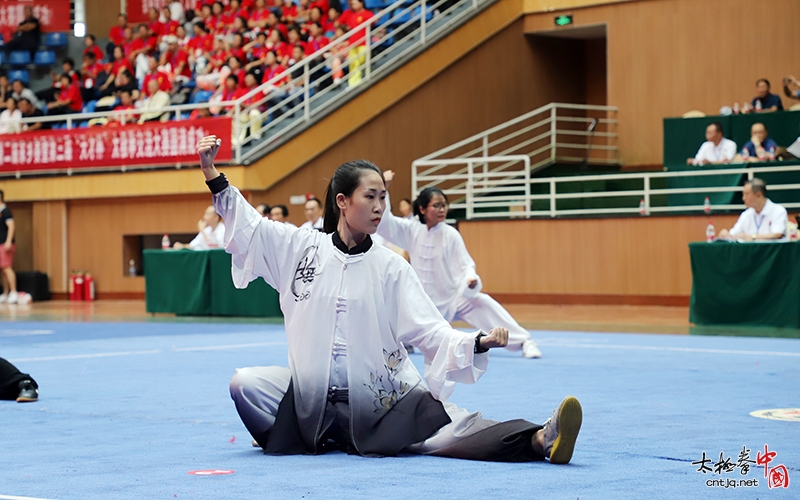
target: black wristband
218 183
479 349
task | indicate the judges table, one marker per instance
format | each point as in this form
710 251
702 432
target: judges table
198 282
745 284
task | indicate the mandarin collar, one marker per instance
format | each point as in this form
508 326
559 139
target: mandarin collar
356 250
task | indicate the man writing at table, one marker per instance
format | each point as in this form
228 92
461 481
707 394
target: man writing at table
716 149
763 220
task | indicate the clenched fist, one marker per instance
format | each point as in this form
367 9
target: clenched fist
498 337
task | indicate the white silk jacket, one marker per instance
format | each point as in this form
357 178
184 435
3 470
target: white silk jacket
384 307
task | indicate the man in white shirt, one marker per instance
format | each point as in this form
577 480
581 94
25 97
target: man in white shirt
278 213
763 220
211 235
716 149
314 219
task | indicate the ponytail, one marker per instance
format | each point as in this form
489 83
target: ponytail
424 199
345 180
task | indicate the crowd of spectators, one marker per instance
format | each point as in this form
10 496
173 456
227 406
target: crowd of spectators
215 52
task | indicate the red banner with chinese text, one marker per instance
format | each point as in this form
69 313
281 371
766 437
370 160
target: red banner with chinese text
137 9
112 147
53 15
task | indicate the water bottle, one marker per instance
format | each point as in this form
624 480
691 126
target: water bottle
758 105
165 242
772 153
745 154
711 234
707 205
642 208
132 268
791 230
736 108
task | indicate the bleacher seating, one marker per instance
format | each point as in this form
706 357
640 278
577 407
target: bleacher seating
44 58
55 40
19 58
19 74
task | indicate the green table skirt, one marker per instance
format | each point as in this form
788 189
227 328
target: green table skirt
189 282
745 284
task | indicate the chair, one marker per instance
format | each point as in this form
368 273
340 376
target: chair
19 74
2 57
55 40
44 58
19 58
374 5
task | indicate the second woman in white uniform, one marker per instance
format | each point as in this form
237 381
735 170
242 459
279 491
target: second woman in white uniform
447 271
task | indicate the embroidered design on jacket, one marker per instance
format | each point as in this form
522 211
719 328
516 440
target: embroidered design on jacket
304 274
386 389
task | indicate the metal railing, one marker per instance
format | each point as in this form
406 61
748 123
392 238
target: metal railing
513 193
289 102
554 133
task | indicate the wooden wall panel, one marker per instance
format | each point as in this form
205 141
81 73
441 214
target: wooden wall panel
666 57
501 79
23 235
96 228
101 15
616 256
50 242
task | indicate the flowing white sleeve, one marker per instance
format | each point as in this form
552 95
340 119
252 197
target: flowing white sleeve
397 230
258 246
449 353
462 265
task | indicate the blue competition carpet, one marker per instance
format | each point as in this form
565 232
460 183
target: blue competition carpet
127 409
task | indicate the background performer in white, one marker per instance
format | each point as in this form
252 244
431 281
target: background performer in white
446 269
349 305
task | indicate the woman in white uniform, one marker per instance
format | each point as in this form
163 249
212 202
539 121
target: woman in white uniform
447 271
349 305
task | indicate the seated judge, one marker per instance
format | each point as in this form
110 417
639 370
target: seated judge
212 232
717 149
760 147
763 219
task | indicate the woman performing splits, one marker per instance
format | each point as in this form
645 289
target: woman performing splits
349 305
447 271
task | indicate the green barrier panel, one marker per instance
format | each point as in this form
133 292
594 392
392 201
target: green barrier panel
258 299
728 198
176 281
745 284
684 136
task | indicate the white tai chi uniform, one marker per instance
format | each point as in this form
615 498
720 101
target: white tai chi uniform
444 266
347 314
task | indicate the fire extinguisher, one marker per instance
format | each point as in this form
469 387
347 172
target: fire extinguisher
76 286
88 287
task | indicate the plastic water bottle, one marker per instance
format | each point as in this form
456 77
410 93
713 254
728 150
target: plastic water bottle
772 153
165 242
736 108
711 234
745 154
642 208
758 105
132 267
791 230
707 205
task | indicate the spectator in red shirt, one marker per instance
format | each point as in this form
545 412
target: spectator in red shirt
175 62
352 19
339 53
218 25
154 73
69 99
315 15
116 36
273 69
91 46
315 39
258 19
93 75
288 12
200 47
258 51
235 10
154 26
169 27
252 115
285 55
116 119
237 47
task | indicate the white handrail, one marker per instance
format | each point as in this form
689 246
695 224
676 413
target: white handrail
481 191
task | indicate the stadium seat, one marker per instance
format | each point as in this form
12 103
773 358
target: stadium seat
374 5
44 58
2 57
53 40
19 58
19 74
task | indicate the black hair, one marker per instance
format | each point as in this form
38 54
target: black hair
2 195
763 80
65 75
345 180
757 186
92 37
314 198
91 55
284 210
69 60
424 199
202 26
234 78
718 126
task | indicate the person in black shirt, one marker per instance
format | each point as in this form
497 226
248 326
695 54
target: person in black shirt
28 34
16 385
7 249
29 111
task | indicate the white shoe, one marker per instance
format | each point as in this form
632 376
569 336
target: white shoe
12 297
3 298
24 298
530 350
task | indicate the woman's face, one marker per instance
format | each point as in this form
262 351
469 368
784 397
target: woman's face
11 104
436 211
363 210
405 208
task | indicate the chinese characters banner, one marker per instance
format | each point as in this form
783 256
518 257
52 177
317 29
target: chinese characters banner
135 145
53 15
137 9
